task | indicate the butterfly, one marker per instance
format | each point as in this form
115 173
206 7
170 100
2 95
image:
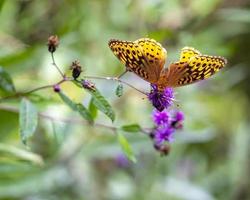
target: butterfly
146 58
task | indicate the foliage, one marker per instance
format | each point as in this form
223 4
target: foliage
76 153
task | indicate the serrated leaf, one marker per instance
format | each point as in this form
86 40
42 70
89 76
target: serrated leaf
92 109
77 107
102 104
6 83
131 128
126 148
28 118
84 112
119 90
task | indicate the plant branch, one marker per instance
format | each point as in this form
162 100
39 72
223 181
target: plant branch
117 80
21 94
54 63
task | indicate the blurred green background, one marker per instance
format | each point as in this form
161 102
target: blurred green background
210 158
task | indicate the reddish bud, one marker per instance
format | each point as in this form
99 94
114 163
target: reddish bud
56 88
53 42
164 149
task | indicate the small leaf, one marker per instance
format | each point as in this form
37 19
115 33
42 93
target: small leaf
102 104
92 109
77 107
27 119
131 128
126 148
84 112
119 90
6 83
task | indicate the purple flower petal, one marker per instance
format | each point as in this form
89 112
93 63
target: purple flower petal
161 100
179 116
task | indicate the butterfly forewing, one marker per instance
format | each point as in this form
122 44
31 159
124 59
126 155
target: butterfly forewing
145 57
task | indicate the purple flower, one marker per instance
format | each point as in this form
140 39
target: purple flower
122 161
163 134
88 85
177 121
179 116
160 117
159 99
56 88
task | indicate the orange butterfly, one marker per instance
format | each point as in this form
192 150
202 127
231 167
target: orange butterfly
146 58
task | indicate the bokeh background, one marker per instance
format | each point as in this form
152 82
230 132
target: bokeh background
210 157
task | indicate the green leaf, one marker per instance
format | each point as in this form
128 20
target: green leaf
22 154
119 90
6 83
102 104
92 109
1 4
68 101
131 128
77 83
28 118
84 112
126 148
77 107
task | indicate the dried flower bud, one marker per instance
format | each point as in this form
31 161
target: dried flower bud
53 42
76 69
164 149
56 88
88 85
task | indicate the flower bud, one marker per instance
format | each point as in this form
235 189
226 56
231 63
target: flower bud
76 69
88 85
56 88
53 42
164 149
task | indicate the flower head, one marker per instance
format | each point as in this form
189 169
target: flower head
122 161
160 117
163 134
179 116
178 119
161 99
167 122
88 85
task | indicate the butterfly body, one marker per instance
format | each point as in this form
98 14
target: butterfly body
146 58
